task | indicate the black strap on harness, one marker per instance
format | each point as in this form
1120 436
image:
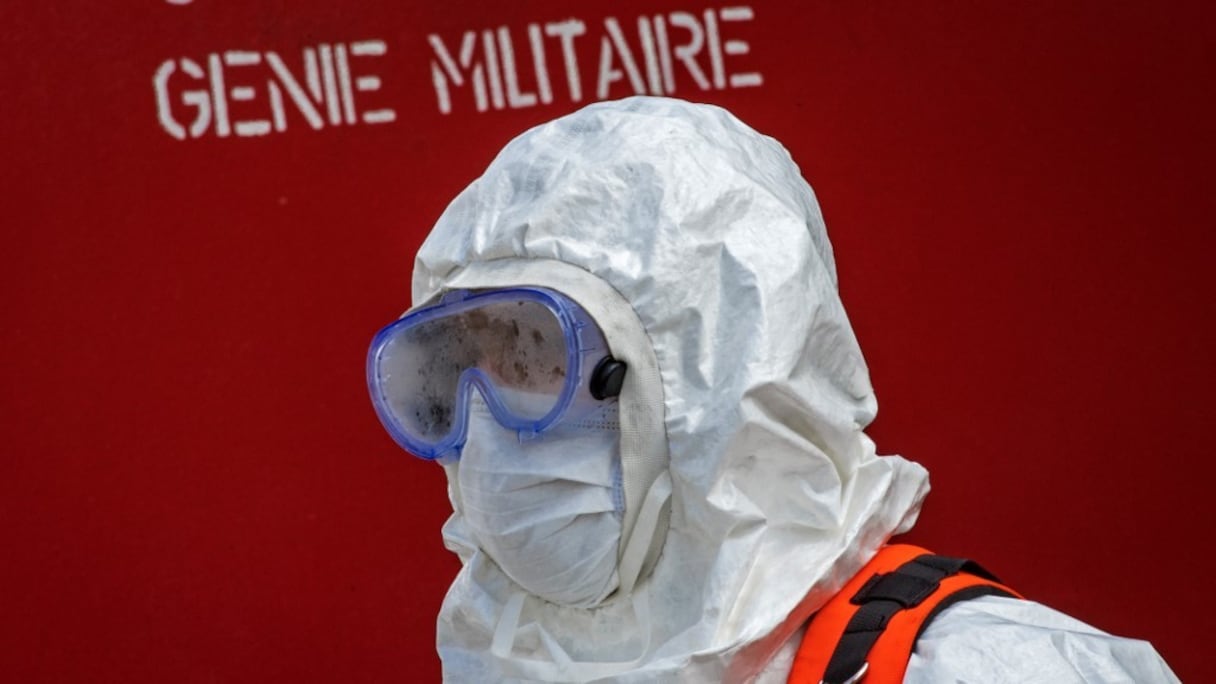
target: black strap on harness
884 595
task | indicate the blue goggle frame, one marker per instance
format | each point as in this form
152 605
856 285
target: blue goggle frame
432 343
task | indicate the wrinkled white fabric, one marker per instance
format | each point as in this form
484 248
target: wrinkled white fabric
548 510
700 250
707 232
777 670
996 640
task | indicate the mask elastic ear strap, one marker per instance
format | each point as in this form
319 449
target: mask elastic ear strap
640 547
508 624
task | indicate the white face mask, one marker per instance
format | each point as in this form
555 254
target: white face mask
547 510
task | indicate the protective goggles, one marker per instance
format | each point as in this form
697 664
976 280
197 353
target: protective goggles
535 356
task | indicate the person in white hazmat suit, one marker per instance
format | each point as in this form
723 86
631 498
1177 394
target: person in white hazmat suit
628 352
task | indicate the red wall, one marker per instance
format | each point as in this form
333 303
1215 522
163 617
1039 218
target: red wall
197 489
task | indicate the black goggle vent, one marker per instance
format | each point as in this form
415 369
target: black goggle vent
607 378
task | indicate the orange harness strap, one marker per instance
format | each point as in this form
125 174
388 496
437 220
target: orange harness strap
866 632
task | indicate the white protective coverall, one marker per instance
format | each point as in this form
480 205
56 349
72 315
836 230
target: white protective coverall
750 492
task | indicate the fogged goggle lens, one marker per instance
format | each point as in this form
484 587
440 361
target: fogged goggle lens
524 349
